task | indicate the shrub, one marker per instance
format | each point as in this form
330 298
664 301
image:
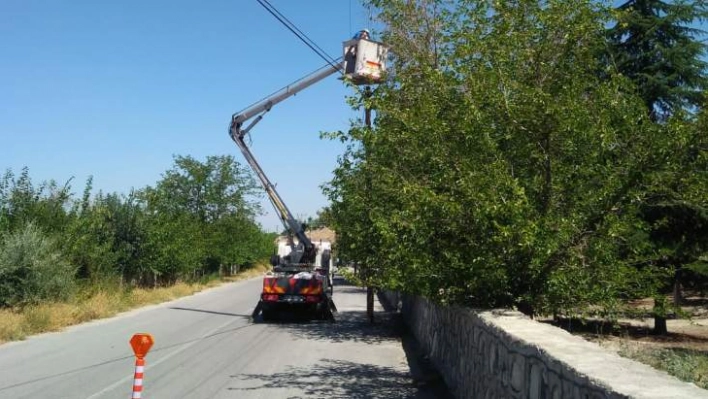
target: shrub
32 270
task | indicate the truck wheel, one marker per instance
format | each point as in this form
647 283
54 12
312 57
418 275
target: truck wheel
327 315
267 315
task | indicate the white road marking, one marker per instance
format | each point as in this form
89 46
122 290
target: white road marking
127 379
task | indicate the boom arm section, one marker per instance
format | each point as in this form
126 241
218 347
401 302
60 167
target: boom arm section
283 212
237 133
266 104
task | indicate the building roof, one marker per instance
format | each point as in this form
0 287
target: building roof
321 234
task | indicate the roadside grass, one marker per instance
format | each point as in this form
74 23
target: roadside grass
97 302
682 353
688 365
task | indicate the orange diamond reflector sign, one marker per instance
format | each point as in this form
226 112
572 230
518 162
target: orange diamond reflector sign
141 344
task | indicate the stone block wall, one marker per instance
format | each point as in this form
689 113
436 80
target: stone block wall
503 354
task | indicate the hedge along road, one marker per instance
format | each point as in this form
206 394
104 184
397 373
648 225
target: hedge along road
206 346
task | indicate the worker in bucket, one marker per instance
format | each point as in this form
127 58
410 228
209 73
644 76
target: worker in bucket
362 34
351 51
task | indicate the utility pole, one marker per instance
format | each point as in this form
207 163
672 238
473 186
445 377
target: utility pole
368 271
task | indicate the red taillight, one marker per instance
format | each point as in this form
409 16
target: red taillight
270 297
312 298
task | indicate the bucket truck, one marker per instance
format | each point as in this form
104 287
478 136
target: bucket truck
301 277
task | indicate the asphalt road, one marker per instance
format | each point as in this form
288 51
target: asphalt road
207 346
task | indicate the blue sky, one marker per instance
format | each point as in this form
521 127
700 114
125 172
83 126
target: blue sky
115 89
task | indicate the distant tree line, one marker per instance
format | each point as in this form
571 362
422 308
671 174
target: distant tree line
197 220
525 155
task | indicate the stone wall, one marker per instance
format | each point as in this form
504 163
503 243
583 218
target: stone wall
503 354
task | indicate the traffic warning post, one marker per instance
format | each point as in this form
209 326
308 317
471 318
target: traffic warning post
141 344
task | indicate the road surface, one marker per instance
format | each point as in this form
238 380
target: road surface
206 346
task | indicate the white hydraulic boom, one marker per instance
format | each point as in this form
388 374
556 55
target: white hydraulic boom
306 251
362 64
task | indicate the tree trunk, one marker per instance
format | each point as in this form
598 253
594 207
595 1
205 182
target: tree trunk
660 325
525 308
370 303
660 316
367 110
678 297
369 288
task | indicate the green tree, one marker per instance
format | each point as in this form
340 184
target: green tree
32 269
321 219
201 217
674 205
207 190
501 170
22 202
654 44
107 238
198 219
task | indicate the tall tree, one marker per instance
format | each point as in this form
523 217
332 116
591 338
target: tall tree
321 219
501 169
22 202
202 217
655 45
207 190
674 206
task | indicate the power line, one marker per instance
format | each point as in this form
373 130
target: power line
322 53
297 32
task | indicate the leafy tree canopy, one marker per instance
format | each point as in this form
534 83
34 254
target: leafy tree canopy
502 169
656 44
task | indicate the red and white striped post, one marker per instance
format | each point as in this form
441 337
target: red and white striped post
138 379
141 344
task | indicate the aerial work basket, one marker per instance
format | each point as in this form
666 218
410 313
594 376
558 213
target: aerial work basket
364 61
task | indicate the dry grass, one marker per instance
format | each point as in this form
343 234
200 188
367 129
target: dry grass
98 303
11 324
255 271
683 352
97 306
688 365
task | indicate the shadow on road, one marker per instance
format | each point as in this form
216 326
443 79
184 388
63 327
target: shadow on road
424 374
336 379
343 379
351 326
244 316
121 358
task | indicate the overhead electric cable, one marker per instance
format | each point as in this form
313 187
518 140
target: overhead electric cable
297 32
290 23
350 16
